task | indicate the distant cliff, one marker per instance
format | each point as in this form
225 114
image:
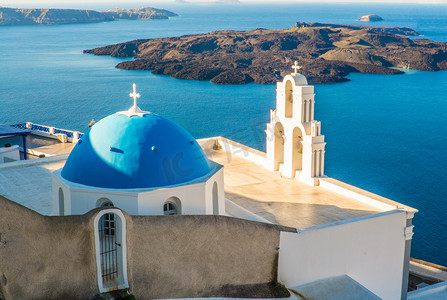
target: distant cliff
327 53
49 16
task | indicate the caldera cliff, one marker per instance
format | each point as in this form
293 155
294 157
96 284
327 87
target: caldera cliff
49 16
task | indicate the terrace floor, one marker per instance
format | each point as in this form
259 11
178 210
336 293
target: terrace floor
41 145
283 201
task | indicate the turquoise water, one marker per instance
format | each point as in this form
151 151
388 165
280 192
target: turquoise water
384 133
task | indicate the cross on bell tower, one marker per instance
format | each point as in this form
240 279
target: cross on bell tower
296 68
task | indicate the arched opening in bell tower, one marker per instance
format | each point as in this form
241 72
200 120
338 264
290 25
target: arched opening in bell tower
288 106
279 146
297 151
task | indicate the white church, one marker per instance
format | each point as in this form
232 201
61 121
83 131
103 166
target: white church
134 170
142 163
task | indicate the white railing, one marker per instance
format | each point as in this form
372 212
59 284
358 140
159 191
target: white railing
72 136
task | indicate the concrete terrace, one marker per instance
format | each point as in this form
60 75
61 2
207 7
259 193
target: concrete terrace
279 200
29 183
38 145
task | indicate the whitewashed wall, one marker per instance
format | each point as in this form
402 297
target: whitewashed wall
368 249
192 198
195 198
219 179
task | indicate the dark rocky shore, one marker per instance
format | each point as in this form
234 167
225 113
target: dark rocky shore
50 16
327 53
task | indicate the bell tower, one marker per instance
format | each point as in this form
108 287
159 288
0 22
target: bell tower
295 146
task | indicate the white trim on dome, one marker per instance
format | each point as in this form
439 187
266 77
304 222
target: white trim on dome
134 111
74 186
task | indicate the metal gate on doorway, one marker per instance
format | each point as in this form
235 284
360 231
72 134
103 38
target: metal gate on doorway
110 240
109 249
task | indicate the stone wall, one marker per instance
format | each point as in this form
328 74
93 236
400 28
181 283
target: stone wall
45 257
168 257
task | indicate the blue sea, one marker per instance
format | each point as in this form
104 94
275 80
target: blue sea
384 133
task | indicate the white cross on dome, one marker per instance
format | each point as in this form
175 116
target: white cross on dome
134 110
134 95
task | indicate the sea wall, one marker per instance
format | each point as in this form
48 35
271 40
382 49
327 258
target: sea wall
44 257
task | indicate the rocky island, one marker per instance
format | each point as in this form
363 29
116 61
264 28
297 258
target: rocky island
44 16
371 18
326 52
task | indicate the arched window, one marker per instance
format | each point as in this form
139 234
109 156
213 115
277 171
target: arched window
104 202
215 199
108 220
172 206
61 202
107 204
169 208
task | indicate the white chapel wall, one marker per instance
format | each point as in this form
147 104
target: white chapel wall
85 200
217 178
195 198
369 249
56 209
192 199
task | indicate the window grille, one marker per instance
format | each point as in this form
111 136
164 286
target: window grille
169 209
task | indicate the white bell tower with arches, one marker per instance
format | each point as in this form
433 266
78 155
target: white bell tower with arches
295 145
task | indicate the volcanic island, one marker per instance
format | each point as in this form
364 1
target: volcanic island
327 53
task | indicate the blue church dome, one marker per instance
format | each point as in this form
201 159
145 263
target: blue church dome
135 149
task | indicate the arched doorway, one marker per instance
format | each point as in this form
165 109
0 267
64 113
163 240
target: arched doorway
297 151
111 254
61 202
172 206
288 106
279 145
215 199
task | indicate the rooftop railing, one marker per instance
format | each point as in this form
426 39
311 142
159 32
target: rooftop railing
73 136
